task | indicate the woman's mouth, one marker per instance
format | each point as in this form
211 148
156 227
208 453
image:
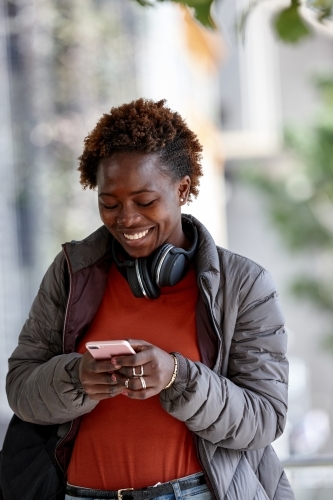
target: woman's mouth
137 244
136 236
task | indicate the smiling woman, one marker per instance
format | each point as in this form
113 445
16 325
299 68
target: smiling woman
193 411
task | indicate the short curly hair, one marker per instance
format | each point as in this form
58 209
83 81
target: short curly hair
148 127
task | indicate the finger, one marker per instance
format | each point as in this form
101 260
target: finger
143 394
136 344
91 379
113 392
128 359
134 371
134 384
99 388
140 358
100 366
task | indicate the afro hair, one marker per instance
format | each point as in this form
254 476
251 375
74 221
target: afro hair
148 127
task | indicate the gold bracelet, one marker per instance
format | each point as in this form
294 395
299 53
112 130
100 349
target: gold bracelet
174 375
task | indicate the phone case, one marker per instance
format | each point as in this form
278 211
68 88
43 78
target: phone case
106 349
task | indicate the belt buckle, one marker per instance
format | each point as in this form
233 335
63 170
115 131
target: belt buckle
120 496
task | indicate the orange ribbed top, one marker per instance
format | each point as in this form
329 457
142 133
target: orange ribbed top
126 443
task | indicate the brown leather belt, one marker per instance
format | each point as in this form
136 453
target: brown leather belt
130 494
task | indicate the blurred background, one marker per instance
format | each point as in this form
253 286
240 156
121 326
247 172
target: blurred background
258 91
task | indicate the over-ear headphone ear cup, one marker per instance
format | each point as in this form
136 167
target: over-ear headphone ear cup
159 252
134 282
140 282
151 288
172 269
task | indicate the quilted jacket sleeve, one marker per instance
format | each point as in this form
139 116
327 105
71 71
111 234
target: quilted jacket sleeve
247 409
42 383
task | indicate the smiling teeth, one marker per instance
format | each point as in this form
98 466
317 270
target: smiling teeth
136 236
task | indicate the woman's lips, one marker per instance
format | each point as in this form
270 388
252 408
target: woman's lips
136 238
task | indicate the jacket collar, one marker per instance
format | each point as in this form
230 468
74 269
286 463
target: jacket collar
207 261
86 253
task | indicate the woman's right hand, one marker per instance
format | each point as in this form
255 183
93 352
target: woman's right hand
95 376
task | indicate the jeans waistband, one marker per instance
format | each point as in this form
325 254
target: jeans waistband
148 493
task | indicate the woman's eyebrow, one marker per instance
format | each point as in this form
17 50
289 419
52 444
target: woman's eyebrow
132 192
143 191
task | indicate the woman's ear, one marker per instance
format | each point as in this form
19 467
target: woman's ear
184 189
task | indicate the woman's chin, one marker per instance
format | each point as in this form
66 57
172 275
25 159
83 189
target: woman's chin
140 247
137 250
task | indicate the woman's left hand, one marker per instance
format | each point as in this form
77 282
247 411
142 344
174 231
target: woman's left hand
156 366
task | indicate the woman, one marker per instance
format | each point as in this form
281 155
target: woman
194 410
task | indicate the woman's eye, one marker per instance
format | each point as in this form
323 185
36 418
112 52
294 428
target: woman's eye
146 204
107 207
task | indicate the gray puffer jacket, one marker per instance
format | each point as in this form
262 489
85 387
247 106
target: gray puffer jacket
234 401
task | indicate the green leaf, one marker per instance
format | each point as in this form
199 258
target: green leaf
145 3
201 11
289 24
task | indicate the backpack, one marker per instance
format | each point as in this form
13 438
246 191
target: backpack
28 468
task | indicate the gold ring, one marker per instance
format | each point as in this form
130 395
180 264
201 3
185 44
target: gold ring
137 374
143 383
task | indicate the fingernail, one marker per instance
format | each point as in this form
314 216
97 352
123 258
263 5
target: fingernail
125 393
114 362
113 378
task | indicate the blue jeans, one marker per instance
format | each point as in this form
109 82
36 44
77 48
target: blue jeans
196 493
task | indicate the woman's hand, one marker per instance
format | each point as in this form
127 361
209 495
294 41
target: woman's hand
157 367
95 376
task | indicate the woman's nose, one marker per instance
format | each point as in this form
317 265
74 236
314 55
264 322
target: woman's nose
127 217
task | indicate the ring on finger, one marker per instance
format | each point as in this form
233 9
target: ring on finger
137 374
126 383
143 383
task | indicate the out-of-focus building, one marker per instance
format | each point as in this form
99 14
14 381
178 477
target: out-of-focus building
180 61
266 85
65 64
10 276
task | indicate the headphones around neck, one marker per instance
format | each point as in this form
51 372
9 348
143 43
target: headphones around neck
165 267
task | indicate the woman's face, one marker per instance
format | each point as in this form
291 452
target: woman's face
139 203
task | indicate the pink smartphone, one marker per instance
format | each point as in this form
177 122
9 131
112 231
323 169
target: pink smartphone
106 348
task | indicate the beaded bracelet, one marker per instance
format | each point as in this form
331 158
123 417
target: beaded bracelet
174 375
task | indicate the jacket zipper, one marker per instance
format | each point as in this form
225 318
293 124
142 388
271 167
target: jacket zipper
205 465
69 298
201 442
213 319
63 345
